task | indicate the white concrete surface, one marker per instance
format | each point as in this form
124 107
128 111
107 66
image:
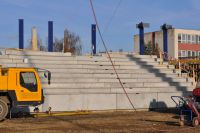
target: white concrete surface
89 83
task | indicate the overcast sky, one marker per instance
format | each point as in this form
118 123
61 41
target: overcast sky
76 15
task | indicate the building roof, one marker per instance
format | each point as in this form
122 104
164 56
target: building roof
172 29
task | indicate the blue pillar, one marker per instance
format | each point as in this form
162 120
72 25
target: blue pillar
93 31
165 28
50 36
165 40
141 27
21 34
141 40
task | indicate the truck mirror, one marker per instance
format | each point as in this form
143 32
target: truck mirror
49 78
45 75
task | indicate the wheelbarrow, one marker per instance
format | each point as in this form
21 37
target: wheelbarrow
188 111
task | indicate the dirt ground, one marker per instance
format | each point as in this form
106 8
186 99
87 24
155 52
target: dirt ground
104 122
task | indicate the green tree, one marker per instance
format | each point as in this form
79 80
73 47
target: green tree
150 50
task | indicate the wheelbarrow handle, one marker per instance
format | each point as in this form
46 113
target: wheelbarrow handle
177 97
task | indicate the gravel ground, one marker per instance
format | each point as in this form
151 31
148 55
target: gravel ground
103 122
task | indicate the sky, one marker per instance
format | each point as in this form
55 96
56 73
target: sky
118 28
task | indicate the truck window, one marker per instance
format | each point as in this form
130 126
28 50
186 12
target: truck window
28 81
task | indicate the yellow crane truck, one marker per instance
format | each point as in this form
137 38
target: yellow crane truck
20 87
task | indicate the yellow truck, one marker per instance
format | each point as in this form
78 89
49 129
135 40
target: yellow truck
20 87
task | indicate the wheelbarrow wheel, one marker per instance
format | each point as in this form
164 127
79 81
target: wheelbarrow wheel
181 123
195 122
181 120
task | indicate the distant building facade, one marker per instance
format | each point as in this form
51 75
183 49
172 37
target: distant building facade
181 42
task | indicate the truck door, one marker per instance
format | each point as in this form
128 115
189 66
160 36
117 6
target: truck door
28 86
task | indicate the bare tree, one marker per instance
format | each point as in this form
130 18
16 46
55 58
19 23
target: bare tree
72 43
58 45
41 46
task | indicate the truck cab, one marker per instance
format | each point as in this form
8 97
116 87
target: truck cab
19 87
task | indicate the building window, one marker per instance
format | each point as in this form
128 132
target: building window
179 38
198 39
179 53
189 53
193 39
198 53
183 53
193 53
183 38
189 38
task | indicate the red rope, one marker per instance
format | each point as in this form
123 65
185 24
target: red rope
99 31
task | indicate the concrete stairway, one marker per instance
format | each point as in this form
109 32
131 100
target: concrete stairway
89 82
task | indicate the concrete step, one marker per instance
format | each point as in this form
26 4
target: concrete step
9 64
4 57
75 62
128 55
36 53
9 60
81 67
111 85
51 66
104 90
135 59
155 89
6 61
86 62
60 58
107 80
113 75
118 53
80 58
120 71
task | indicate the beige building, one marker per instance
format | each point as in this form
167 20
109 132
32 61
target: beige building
181 42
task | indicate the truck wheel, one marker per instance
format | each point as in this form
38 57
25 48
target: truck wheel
3 109
195 122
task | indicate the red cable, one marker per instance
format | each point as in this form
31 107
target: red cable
98 29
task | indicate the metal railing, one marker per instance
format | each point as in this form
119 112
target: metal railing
190 66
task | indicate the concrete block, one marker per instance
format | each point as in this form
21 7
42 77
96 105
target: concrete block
64 102
139 100
80 102
100 101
